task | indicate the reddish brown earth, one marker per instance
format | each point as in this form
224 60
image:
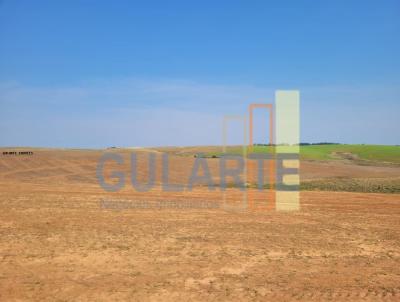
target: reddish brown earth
58 243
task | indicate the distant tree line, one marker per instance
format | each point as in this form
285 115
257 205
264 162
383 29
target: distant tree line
301 144
321 143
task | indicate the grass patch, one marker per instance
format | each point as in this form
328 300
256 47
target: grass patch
367 153
376 153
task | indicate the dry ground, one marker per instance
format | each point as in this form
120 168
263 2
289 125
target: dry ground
58 243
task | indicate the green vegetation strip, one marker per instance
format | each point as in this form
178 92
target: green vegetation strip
363 152
359 153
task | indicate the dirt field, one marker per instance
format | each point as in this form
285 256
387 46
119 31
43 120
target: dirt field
60 243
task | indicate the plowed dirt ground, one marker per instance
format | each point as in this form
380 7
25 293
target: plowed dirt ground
58 242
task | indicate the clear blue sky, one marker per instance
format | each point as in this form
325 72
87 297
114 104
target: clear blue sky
100 73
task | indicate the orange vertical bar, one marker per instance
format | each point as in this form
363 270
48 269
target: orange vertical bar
271 143
271 126
251 127
271 192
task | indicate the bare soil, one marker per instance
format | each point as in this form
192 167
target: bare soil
58 243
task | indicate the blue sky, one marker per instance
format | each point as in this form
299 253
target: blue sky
146 73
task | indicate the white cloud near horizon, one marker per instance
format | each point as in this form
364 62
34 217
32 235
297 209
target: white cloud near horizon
148 112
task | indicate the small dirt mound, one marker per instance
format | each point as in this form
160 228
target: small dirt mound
345 155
